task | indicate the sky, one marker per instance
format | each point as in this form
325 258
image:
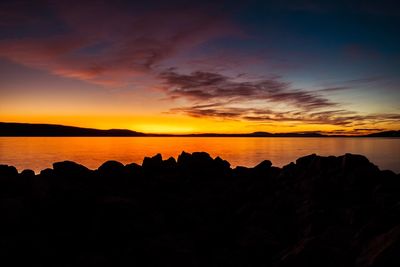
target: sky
202 66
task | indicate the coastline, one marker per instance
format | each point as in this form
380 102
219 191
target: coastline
197 211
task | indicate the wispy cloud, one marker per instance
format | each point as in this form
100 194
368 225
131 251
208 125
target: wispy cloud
106 43
332 117
202 86
351 84
214 95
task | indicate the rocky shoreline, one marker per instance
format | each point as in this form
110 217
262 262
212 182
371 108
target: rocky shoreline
198 211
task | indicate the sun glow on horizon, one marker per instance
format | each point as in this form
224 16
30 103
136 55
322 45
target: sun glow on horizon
193 69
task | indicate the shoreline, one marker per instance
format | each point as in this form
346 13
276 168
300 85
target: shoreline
198 211
172 158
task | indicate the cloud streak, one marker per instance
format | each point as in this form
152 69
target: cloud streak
332 117
202 86
213 95
109 44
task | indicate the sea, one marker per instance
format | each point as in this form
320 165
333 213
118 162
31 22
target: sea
38 153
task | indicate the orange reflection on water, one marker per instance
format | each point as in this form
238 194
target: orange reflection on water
37 153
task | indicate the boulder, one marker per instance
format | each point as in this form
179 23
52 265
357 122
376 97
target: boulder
7 171
70 168
263 166
154 163
111 168
27 173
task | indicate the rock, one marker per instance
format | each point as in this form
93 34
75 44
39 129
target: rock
306 161
380 249
263 166
194 160
201 162
183 158
133 168
241 169
111 168
170 163
8 181
201 157
8 171
154 163
221 164
197 211
351 161
47 172
27 173
26 178
70 168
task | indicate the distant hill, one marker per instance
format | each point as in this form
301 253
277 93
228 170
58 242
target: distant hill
288 134
385 134
258 134
27 129
31 129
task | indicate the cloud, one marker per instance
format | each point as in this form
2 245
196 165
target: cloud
214 95
105 43
337 86
369 129
332 117
200 86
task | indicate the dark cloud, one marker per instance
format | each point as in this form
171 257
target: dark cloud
202 86
334 89
368 130
349 131
218 96
340 118
331 117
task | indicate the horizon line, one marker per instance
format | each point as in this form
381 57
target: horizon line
133 133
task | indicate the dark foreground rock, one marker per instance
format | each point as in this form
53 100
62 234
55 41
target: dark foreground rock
197 211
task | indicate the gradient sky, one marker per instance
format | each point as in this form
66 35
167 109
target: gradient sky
198 66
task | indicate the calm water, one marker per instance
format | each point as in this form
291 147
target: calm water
37 153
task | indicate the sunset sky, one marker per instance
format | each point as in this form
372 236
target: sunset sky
198 66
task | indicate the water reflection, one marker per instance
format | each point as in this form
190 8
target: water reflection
38 153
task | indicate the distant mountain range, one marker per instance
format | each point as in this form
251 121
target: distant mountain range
28 129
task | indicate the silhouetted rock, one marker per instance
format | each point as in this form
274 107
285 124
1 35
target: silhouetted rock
133 168
26 178
47 172
263 166
8 180
154 163
170 163
221 164
306 161
69 168
27 173
111 168
197 211
355 161
200 163
8 171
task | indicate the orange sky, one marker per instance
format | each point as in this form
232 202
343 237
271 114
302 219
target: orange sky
199 68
